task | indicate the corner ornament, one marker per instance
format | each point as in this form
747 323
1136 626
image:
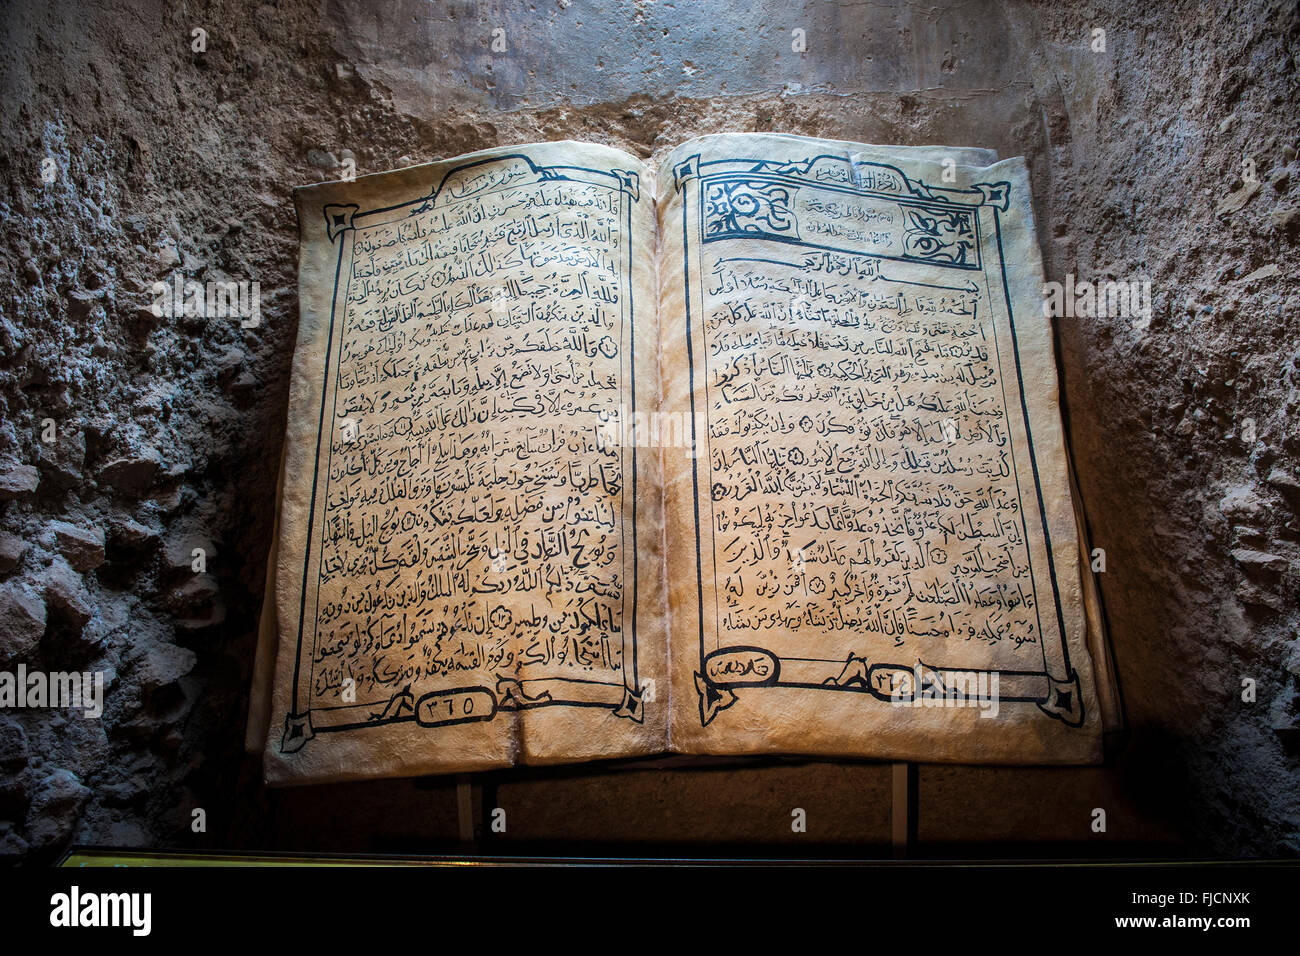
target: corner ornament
338 219
997 195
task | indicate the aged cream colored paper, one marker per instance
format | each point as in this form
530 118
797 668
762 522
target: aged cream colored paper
875 547
811 496
468 570
268 641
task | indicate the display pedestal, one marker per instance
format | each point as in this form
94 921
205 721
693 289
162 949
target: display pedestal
904 810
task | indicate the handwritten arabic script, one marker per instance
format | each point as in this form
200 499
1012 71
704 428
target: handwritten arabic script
861 485
473 527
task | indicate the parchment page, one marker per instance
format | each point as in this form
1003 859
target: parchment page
268 642
469 572
876 549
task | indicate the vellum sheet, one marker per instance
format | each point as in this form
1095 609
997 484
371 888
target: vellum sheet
468 571
762 454
875 550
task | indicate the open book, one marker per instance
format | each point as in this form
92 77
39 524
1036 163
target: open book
758 452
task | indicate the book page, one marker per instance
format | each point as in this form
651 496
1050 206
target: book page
877 550
468 569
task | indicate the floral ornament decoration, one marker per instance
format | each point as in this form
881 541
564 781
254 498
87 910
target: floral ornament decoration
746 207
945 237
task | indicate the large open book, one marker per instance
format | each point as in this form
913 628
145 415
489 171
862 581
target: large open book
756 452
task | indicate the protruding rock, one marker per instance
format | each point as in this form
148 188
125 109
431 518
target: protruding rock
126 782
12 549
322 159
13 746
1236 200
230 362
66 595
244 385
197 603
196 593
132 474
1259 561
163 665
62 460
124 792
22 621
1286 483
83 547
82 302
56 808
1280 478
1250 593
130 535
1241 502
12 847
17 481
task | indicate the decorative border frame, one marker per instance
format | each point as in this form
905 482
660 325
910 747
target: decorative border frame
1056 688
469 703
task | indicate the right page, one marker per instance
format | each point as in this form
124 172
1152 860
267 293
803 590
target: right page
874 550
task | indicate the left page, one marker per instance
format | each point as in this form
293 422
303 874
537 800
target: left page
468 571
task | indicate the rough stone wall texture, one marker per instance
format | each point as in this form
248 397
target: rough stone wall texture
167 431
